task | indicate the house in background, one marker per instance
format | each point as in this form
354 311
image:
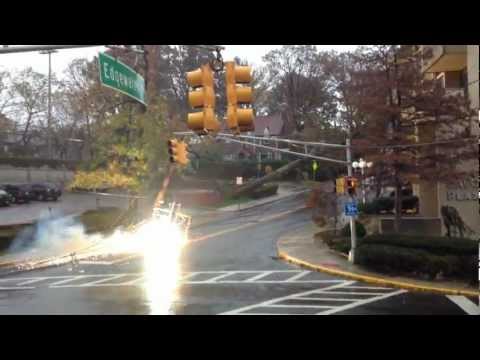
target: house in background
270 126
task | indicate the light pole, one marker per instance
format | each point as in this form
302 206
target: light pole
362 164
49 116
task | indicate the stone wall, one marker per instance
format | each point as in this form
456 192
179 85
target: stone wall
14 175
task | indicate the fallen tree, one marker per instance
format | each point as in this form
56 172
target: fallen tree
270 177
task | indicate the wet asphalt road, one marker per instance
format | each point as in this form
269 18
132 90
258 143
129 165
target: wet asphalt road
231 273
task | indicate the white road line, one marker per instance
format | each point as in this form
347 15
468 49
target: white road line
263 282
368 287
93 283
72 278
353 293
298 276
212 280
291 314
465 304
31 281
362 302
133 282
259 276
17 288
327 299
188 276
301 306
276 300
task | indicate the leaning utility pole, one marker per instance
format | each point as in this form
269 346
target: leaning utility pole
49 115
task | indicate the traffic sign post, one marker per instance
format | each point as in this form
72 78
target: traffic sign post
351 209
120 77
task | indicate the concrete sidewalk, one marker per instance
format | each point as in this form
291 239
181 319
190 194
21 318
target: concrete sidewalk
300 248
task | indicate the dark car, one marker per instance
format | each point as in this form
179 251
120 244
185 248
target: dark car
5 198
18 192
45 191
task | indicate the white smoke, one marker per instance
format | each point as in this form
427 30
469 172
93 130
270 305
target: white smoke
49 235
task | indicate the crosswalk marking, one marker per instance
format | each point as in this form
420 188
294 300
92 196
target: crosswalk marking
336 304
208 277
465 304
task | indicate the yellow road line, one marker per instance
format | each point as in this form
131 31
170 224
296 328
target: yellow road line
244 226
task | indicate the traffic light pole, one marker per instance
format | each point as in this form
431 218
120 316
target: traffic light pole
353 230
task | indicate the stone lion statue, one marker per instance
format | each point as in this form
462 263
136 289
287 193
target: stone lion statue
453 221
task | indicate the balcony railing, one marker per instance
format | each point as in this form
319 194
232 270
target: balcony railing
444 58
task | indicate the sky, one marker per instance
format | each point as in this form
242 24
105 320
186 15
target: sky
60 60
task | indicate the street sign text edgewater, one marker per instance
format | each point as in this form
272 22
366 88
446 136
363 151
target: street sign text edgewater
118 76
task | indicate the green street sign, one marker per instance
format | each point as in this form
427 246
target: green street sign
120 77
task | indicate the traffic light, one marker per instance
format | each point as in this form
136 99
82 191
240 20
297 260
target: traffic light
178 151
340 186
239 114
202 97
351 185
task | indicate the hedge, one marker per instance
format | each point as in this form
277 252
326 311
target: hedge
410 260
360 230
387 204
434 244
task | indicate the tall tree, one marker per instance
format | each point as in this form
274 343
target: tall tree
401 108
298 86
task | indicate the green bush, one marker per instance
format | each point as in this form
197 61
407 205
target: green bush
433 244
410 260
368 208
360 230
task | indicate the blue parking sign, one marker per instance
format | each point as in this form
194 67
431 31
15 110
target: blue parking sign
351 209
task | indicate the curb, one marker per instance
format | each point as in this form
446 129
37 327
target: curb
374 280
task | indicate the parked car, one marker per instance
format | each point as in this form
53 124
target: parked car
18 193
45 191
5 198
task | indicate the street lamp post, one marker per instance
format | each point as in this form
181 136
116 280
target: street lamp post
362 164
49 116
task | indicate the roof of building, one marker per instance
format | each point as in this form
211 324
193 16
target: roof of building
274 123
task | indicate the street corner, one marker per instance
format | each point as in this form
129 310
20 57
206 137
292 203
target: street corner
336 269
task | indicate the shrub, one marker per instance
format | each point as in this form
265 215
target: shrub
360 230
411 260
368 208
434 244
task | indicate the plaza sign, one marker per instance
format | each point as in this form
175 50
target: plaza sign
120 77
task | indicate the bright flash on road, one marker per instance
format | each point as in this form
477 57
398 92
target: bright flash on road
159 241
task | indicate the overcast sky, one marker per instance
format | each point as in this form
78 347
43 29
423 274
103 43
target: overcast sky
60 60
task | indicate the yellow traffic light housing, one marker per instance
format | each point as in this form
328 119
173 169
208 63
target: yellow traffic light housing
178 151
340 185
203 97
239 119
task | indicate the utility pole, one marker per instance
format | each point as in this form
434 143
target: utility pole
353 230
49 116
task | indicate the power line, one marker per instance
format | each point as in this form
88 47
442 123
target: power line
284 151
414 145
